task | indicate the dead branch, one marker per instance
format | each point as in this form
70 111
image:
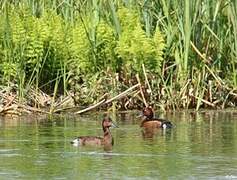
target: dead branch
141 91
104 101
122 94
91 107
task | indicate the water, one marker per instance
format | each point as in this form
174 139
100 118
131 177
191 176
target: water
201 146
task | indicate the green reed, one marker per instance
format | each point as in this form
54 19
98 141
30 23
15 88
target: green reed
79 45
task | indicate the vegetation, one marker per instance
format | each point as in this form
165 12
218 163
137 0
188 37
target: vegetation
184 53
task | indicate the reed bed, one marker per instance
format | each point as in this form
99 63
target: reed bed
183 54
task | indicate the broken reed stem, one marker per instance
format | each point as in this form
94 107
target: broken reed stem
146 79
32 109
122 94
218 79
184 88
141 91
104 101
90 107
10 102
205 101
64 101
130 99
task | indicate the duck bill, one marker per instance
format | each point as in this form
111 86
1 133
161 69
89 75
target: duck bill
114 125
140 115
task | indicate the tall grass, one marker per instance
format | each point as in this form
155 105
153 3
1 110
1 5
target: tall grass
189 49
200 39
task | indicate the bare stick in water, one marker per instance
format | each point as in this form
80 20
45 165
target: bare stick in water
91 107
122 94
108 101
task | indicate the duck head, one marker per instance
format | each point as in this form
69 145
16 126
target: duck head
107 123
147 113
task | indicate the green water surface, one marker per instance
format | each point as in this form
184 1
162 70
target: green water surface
201 146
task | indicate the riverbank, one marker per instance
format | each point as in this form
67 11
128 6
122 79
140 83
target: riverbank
56 56
134 97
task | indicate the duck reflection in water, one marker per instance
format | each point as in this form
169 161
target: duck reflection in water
106 141
151 125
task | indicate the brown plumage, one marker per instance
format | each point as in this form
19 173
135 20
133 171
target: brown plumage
106 140
148 120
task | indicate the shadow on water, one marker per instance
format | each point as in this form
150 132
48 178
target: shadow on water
201 145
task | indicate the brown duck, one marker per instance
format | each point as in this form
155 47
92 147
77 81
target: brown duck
148 120
95 140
